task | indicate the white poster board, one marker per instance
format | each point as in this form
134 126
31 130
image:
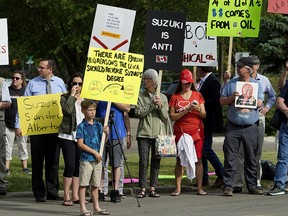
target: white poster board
248 95
199 49
112 28
4 55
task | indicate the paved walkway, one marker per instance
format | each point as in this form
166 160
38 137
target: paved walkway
188 203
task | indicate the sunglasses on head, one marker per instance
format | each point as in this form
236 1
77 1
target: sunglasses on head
77 83
16 78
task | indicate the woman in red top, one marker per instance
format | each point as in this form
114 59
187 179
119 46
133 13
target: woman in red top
187 110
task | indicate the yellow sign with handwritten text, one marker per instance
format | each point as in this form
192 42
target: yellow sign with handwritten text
234 18
112 76
40 114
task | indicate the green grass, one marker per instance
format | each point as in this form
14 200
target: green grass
21 182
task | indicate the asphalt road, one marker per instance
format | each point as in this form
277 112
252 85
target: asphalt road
188 203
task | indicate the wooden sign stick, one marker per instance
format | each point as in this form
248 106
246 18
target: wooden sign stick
159 82
230 55
102 144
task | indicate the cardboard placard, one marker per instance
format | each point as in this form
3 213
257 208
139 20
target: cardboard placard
164 40
199 49
234 18
112 28
40 114
113 76
4 55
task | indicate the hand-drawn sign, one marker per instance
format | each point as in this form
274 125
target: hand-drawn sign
40 114
164 40
278 6
234 18
199 49
4 55
113 76
112 28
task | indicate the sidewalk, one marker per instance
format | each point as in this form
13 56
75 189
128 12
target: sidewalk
188 203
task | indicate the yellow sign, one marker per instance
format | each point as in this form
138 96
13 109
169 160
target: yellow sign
112 76
234 18
40 114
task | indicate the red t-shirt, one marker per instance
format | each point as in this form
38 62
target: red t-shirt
192 120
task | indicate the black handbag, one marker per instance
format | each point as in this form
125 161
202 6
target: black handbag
276 119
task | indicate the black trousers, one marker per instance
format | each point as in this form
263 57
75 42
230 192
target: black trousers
45 148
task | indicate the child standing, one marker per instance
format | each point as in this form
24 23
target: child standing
89 133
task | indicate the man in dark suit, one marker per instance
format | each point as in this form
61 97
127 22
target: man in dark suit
209 87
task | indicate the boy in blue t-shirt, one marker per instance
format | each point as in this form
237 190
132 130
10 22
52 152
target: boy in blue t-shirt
89 133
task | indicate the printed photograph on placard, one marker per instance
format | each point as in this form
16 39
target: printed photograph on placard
247 95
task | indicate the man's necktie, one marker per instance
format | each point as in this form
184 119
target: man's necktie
48 87
200 84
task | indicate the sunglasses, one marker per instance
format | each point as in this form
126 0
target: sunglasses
77 83
16 78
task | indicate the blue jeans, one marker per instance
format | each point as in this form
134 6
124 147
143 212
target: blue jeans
282 164
210 155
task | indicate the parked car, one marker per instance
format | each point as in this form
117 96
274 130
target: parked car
171 89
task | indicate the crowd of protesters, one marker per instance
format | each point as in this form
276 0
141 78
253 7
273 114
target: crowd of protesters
195 108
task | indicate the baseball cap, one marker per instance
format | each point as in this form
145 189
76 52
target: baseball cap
186 76
245 61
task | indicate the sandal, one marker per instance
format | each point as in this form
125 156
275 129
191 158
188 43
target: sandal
175 193
78 202
101 212
202 193
154 194
141 194
87 213
67 203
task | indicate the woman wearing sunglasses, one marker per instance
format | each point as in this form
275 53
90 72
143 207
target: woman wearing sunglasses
72 116
16 89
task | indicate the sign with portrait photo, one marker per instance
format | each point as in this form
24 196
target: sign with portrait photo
248 95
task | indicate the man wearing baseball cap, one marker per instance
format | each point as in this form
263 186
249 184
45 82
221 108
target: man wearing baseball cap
267 89
242 127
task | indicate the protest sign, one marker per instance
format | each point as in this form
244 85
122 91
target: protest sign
199 49
278 6
248 95
112 28
4 55
40 114
112 76
164 40
234 18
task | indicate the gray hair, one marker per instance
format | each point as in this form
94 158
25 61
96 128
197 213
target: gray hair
151 74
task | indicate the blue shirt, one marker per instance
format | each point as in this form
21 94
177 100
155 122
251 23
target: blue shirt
236 115
267 89
118 119
91 135
37 86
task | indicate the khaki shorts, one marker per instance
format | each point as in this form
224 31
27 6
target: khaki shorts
90 173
